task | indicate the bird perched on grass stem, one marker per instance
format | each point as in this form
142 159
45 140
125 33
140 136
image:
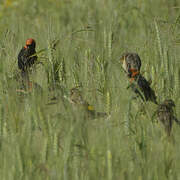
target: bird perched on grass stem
166 116
131 63
77 99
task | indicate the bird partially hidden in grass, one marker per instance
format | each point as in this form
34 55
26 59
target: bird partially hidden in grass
165 114
77 100
25 57
26 60
131 63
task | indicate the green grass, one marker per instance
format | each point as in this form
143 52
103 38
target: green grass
40 141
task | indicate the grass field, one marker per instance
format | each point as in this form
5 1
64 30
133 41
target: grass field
40 141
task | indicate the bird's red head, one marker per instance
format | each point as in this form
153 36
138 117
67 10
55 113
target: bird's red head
30 43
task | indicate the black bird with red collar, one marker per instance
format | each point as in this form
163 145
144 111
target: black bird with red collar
25 57
131 63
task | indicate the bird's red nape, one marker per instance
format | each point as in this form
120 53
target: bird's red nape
134 72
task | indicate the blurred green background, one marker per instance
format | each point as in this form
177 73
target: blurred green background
40 141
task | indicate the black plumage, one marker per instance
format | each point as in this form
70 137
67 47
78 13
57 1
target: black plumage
142 87
26 59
